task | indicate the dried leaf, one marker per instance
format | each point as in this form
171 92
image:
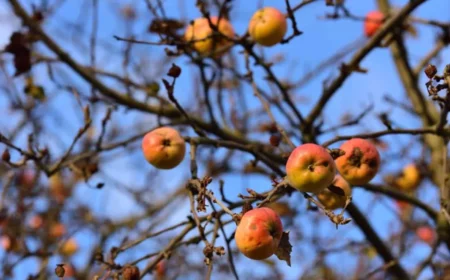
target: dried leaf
22 54
284 248
166 26
336 190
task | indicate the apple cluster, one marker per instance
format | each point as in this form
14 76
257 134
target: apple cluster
309 168
267 27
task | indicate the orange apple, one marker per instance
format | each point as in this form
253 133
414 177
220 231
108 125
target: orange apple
160 270
310 168
57 188
410 178
360 163
164 148
267 26
331 200
258 233
69 271
26 179
426 234
69 247
204 39
9 243
57 230
373 21
36 222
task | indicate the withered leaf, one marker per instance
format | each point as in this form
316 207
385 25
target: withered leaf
284 248
22 62
17 42
22 54
336 190
165 26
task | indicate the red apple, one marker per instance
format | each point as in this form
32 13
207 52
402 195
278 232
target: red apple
267 26
57 230
360 163
160 270
164 148
373 21
426 234
26 179
10 243
69 271
310 168
36 222
332 200
258 233
203 38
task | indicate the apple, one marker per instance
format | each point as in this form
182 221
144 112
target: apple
310 168
410 178
26 179
10 243
258 233
160 270
164 148
360 163
402 205
70 270
36 222
426 234
203 38
331 200
267 26
57 230
69 247
57 188
373 21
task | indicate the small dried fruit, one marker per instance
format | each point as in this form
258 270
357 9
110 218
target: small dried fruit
430 71
59 270
131 272
174 71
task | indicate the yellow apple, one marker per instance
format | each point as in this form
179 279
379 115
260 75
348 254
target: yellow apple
69 247
203 39
410 178
267 26
331 200
310 168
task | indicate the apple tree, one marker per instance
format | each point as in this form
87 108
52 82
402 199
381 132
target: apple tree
224 139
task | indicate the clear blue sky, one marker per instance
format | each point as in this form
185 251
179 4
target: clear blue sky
320 40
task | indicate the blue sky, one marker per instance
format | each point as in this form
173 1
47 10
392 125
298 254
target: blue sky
321 39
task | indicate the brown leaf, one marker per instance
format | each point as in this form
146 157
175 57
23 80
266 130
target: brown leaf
284 248
166 26
336 190
17 42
